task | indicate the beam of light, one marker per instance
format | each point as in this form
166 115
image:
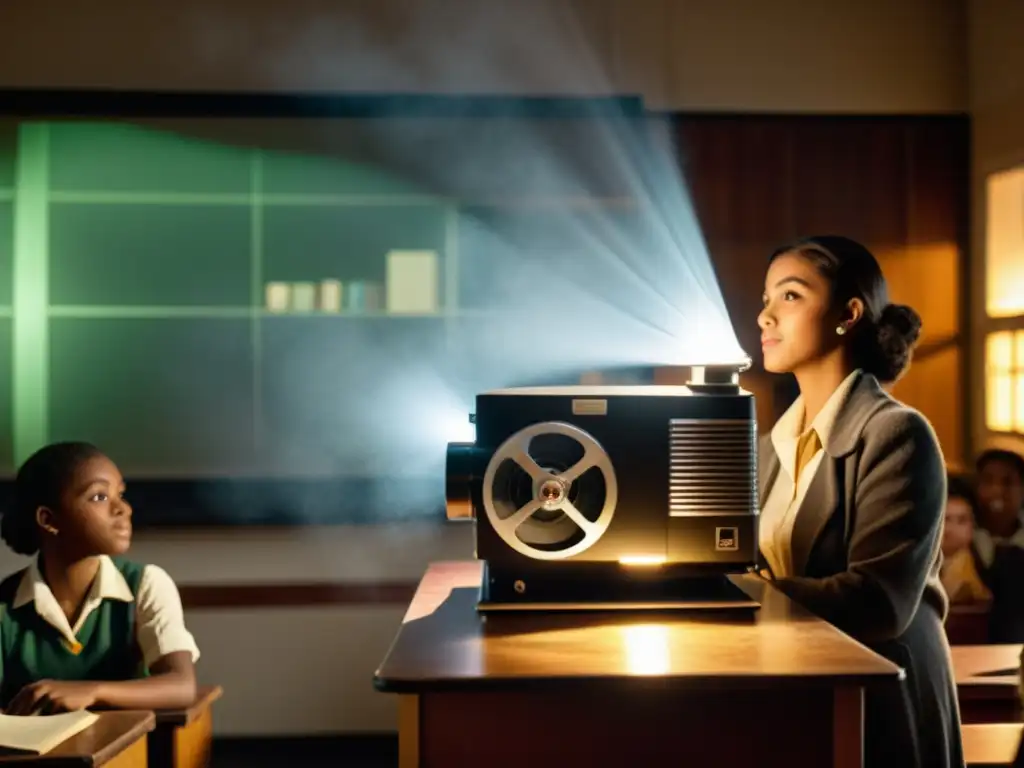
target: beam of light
637 274
574 244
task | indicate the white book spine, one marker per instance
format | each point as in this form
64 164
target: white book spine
412 282
330 296
304 297
278 297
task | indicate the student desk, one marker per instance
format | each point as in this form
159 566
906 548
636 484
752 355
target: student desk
988 687
991 744
116 740
184 738
774 687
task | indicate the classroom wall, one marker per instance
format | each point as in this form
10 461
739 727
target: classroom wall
309 669
736 55
898 185
997 114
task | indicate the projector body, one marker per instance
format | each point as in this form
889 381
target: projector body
610 497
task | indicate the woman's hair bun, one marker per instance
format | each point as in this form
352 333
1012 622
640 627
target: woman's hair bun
898 329
901 320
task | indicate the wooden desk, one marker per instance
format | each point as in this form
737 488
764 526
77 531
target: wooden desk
776 687
984 697
184 738
116 740
991 744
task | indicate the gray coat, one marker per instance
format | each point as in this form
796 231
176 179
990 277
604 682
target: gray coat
866 558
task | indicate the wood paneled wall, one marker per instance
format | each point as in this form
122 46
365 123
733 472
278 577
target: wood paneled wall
899 185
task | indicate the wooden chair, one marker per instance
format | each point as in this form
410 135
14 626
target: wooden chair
184 738
991 744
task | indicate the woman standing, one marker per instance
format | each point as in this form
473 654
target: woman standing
853 488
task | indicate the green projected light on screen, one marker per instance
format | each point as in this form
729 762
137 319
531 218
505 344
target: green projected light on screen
8 140
138 261
30 343
295 299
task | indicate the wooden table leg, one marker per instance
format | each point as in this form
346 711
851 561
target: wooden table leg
182 746
133 757
408 731
848 727
193 743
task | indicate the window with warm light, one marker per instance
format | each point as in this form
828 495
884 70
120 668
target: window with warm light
1004 302
1004 245
1004 353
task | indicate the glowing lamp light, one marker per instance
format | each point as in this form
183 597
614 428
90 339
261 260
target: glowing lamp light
642 560
715 346
458 428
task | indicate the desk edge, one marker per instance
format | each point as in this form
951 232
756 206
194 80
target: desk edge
208 695
704 682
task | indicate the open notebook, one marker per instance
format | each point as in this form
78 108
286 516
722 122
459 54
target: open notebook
38 734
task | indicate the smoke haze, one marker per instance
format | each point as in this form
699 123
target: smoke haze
575 245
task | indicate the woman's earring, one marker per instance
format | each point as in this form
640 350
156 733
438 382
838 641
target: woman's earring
50 530
840 330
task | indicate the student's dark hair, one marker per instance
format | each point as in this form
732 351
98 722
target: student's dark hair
884 338
1014 460
959 487
39 483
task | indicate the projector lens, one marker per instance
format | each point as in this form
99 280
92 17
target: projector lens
720 378
459 465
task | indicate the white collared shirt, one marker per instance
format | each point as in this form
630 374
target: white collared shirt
783 500
159 617
985 542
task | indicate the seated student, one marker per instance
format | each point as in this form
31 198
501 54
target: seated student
81 627
999 541
1000 501
960 573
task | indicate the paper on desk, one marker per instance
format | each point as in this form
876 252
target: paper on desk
39 734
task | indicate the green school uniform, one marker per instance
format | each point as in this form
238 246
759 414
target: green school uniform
32 649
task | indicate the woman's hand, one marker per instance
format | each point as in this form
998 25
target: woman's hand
47 697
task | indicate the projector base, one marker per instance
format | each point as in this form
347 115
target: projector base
602 588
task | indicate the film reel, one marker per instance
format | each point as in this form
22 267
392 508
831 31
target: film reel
550 491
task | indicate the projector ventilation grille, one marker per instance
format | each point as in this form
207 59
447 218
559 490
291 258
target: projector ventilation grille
712 467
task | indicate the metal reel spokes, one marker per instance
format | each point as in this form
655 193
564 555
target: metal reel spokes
550 491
